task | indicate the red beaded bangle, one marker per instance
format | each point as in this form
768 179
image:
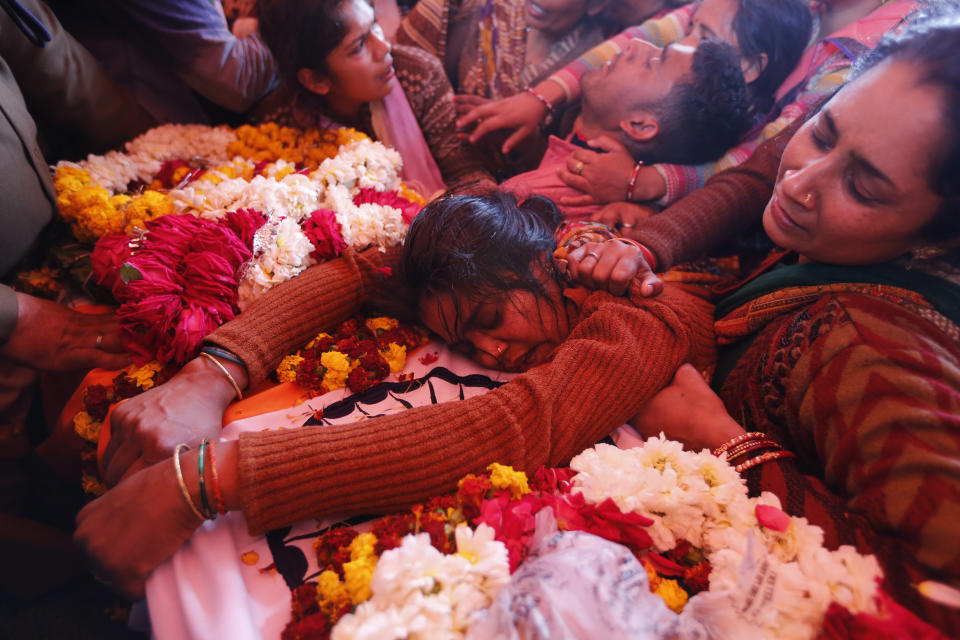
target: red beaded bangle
633 180
743 437
763 457
539 96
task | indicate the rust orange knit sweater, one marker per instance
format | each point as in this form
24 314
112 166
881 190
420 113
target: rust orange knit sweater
620 352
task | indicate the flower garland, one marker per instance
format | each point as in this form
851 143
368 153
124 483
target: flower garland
314 193
685 515
359 354
97 399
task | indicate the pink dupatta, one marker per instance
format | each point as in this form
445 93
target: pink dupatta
867 31
396 126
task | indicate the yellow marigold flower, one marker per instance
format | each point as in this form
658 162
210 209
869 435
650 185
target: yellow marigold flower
363 546
381 324
357 575
504 477
86 427
287 371
411 195
338 367
92 485
332 594
145 376
673 594
395 355
283 173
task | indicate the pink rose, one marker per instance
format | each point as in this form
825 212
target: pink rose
108 256
323 231
194 324
219 239
210 277
244 223
172 234
155 279
145 324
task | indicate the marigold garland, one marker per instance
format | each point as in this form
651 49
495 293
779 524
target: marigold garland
270 142
359 354
97 399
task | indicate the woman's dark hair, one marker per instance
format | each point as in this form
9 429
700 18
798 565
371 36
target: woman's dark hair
779 28
931 43
301 33
478 247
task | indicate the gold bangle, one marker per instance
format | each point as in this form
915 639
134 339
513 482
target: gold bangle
236 387
183 485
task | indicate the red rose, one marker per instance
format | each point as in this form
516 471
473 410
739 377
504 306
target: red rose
323 231
109 254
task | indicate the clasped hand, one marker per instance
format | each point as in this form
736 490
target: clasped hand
147 428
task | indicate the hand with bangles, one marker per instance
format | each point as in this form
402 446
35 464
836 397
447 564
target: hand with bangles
612 265
188 407
610 175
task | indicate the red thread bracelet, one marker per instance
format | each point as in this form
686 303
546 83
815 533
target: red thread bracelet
633 180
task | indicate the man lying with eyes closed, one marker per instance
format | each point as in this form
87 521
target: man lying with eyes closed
679 104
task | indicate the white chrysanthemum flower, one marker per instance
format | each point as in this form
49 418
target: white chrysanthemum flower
281 251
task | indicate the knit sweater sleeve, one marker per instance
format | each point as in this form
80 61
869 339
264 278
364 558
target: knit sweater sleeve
731 202
620 354
876 400
293 312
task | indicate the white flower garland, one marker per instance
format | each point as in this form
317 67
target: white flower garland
420 593
778 583
281 250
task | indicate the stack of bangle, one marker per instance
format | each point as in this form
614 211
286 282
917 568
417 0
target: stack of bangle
204 511
633 180
549 105
213 354
751 449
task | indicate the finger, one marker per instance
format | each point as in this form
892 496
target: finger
470 100
105 360
573 180
578 201
688 377
621 276
516 138
124 456
140 463
650 285
607 215
475 115
606 143
484 127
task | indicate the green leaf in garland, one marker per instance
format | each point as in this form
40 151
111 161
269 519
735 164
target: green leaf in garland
129 273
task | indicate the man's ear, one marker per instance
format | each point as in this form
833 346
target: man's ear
596 7
753 67
642 125
313 81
